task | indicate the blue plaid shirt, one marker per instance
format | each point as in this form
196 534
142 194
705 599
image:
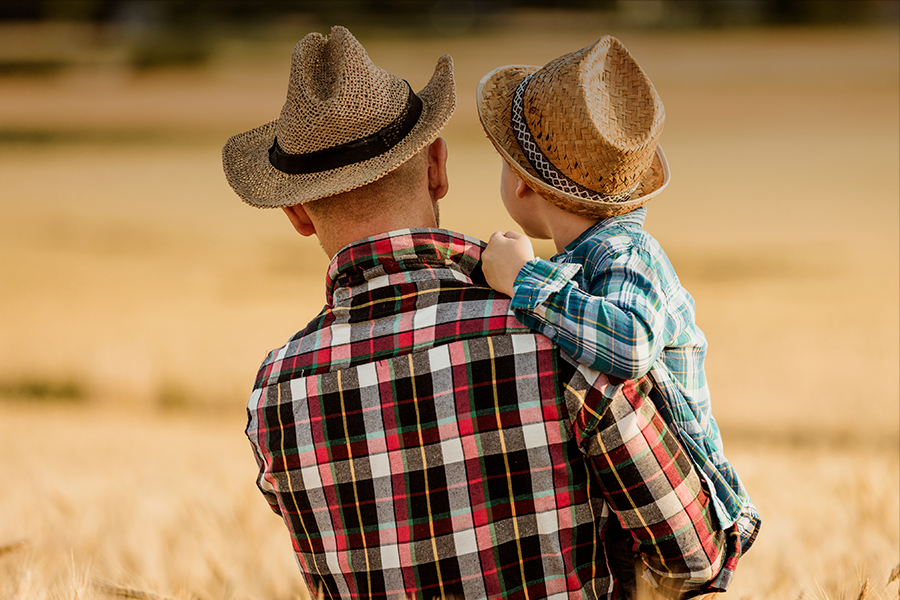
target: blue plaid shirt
612 301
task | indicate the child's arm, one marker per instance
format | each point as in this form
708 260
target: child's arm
618 326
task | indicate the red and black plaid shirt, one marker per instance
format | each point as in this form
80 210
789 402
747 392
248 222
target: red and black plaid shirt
419 441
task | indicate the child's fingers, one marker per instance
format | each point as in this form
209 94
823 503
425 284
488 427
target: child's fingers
495 237
519 244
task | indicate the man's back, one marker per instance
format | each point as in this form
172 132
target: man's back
419 440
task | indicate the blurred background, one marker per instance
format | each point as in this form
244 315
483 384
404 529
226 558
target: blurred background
138 295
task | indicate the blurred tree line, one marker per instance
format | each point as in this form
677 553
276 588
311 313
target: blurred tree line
703 13
159 33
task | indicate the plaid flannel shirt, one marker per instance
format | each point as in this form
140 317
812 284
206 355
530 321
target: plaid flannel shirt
419 441
613 302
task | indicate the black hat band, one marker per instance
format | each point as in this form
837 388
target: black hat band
354 151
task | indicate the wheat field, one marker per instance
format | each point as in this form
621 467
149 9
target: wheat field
138 295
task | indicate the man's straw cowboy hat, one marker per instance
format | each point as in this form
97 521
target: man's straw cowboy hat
345 123
582 131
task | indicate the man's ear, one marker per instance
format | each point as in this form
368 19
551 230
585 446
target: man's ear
438 184
300 219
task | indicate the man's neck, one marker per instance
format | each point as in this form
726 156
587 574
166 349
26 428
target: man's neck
334 238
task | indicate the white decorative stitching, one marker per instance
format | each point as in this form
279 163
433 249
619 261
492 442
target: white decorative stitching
548 172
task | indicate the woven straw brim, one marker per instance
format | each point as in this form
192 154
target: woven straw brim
245 156
494 98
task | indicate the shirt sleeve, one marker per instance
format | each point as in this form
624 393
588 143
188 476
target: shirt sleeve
658 496
256 433
616 326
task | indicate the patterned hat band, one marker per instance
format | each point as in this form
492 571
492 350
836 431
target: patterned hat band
548 172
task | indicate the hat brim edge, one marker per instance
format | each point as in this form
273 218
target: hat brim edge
259 184
499 132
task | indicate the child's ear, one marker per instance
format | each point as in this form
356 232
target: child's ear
522 189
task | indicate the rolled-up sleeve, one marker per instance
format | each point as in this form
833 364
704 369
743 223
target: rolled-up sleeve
651 485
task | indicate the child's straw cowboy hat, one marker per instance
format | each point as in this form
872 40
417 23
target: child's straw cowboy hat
581 131
345 123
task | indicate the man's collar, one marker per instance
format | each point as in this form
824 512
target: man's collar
432 253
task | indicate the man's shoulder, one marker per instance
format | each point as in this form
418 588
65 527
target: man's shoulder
516 368
292 347
377 326
502 372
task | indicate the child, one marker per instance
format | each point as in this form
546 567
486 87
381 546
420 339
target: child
578 139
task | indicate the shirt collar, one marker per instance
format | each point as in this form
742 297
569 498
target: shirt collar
429 253
635 217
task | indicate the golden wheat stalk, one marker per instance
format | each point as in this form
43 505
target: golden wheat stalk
24 586
7 548
864 590
126 592
895 575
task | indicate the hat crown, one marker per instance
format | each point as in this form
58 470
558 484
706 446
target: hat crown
596 116
336 94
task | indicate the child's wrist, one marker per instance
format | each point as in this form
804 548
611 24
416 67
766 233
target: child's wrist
520 277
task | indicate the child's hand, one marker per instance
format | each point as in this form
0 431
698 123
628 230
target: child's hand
504 257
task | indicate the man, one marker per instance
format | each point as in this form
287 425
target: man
416 439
